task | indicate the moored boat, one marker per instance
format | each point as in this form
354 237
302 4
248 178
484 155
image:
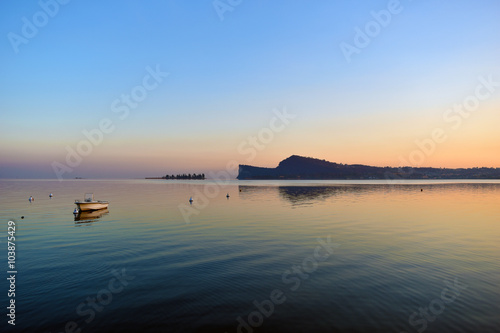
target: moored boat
89 204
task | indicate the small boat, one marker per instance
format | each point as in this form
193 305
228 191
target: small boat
90 204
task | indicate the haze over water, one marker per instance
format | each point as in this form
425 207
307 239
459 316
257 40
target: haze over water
397 250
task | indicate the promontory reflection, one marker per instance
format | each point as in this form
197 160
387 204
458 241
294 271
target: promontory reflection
90 216
301 195
304 195
308 195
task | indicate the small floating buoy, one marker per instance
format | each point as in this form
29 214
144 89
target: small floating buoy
22 217
51 195
75 211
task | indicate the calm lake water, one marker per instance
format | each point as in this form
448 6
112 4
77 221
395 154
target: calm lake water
274 257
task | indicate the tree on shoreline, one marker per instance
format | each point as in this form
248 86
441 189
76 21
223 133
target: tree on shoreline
200 176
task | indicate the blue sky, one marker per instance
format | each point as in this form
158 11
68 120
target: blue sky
226 77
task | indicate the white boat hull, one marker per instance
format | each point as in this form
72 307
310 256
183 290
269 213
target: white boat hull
86 206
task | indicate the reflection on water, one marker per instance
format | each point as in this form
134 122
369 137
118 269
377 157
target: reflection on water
90 216
305 195
296 195
311 195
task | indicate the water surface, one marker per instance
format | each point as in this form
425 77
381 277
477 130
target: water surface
203 267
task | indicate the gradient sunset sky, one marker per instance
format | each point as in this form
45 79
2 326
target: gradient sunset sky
231 68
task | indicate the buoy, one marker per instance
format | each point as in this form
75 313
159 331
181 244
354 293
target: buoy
22 217
51 195
75 211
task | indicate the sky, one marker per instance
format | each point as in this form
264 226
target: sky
131 89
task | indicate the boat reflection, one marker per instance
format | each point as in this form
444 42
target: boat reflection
90 216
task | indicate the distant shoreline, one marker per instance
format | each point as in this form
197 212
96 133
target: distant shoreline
284 182
184 176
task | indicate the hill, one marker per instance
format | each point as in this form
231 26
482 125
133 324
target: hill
299 167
